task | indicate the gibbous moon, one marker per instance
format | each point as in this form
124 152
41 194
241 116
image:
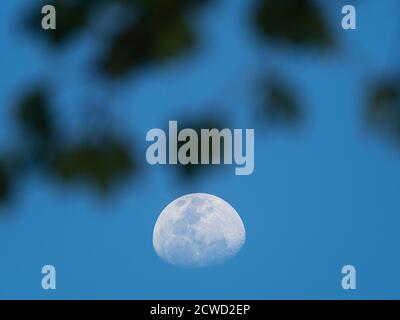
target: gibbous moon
198 230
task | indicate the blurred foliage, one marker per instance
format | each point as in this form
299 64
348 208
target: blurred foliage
144 41
210 122
145 32
159 32
35 120
298 22
101 164
5 182
156 31
281 106
383 113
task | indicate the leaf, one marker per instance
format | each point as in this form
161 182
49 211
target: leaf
159 33
34 117
147 40
298 23
102 164
174 39
162 6
281 106
383 113
5 183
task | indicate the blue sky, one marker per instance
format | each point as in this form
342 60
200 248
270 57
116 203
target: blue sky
321 196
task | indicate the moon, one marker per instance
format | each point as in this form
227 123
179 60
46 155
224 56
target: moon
198 230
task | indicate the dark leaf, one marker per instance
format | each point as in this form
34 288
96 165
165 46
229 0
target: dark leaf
5 183
296 22
281 106
159 7
149 39
102 164
383 112
34 117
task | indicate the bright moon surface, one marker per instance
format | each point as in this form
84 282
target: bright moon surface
198 230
